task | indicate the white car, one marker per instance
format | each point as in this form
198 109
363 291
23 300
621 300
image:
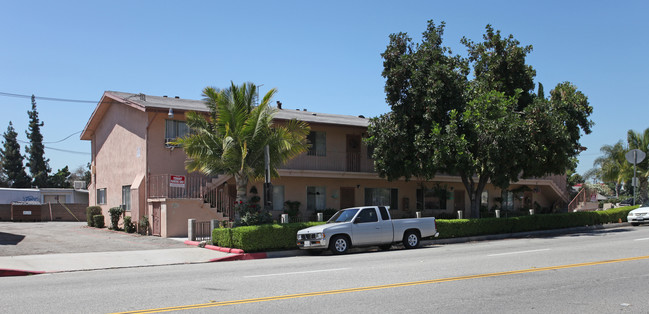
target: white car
639 215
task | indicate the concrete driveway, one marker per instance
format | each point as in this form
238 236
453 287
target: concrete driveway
33 238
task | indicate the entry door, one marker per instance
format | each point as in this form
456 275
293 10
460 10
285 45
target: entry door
353 153
458 195
156 218
347 197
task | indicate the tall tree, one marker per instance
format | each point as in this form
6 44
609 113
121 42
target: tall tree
12 160
38 165
232 139
445 123
613 166
640 140
60 179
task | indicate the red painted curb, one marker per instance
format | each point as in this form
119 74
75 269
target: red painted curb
18 272
216 248
240 257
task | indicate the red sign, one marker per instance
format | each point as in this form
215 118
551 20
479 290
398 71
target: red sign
177 181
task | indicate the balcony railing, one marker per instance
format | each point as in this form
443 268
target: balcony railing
333 161
160 186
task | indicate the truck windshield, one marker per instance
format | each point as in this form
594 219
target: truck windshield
343 215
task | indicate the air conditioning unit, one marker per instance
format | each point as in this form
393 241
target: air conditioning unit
79 185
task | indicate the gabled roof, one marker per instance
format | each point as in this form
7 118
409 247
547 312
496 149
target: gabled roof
149 103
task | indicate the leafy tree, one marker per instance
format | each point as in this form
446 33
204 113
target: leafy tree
488 129
38 165
81 174
613 166
12 160
60 179
640 140
232 139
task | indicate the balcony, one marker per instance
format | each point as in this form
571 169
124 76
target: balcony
333 161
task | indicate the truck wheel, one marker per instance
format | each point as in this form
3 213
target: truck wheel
411 239
339 245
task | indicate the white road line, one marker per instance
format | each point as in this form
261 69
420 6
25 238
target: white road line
519 252
643 239
297 272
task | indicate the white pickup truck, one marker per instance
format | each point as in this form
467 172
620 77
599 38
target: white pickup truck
365 226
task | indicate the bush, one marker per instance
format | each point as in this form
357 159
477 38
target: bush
129 226
260 238
98 221
91 211
144 225
115 214
283 237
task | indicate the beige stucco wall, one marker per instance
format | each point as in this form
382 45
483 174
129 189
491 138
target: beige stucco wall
177 212
119 154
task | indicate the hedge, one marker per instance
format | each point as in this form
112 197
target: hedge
98 221
283 237
91 211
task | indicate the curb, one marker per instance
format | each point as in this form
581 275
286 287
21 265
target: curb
216 248
18 272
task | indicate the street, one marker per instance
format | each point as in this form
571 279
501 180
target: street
599 271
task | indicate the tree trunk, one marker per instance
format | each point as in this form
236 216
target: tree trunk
242 188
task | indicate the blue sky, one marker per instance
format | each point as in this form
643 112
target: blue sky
322 56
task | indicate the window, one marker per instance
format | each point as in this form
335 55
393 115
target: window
382 197
318 141
315 197
434 198
384 213
367 215
484 199
126 197
278 197
175 129
508 200
101 196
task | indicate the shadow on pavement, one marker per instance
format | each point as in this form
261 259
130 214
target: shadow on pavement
10 238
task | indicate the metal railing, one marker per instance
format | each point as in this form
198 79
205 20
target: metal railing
333 161
203 231
578 200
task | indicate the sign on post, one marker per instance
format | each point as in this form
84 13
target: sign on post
177 181
635 156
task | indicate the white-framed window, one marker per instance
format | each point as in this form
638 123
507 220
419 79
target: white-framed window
278 197
101 196
126 197
318 141
316 197
484 199
382 197
174 129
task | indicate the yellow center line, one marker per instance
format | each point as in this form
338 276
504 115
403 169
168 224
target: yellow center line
388 286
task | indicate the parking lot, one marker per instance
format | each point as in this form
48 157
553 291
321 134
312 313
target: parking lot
33 238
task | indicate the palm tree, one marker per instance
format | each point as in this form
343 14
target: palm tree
613 166
640 141
232 139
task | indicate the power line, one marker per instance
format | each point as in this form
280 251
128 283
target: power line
58 149
69 136
48 98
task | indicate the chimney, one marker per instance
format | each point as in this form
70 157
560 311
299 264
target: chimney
142 97
279 104
176 97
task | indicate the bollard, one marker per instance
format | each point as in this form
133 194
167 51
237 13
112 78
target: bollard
191 233
497 213
531 212
459 214
320 217
418 214
285 218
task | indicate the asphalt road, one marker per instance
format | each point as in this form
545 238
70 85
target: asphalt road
601 271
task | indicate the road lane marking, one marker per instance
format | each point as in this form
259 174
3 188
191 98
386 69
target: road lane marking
388 286
643 239
519 252
296 272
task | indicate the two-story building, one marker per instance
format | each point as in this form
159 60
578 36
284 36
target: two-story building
134 165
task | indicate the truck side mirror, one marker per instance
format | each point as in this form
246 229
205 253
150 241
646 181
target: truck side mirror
357 220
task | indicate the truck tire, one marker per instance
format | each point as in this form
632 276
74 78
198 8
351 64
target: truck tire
411 239
339 245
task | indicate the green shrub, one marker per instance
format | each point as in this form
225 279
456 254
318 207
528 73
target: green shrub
115 214
129 226
98 221
260 238
90 212
144 225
